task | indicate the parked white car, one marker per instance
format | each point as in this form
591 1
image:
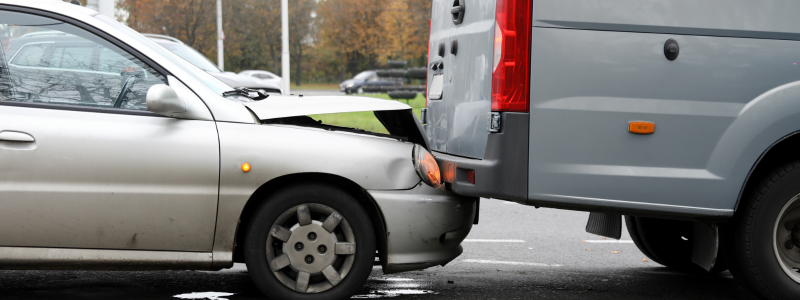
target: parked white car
264 75
116 154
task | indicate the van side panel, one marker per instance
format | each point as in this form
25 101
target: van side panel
716 108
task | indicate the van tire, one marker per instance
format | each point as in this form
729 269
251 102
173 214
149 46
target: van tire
630 223
751 235
669 243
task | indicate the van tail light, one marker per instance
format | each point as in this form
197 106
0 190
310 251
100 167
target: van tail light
512 56
427 64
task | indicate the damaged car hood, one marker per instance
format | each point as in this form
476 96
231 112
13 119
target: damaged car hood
396 117
291 106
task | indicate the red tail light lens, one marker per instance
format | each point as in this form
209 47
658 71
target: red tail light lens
512 55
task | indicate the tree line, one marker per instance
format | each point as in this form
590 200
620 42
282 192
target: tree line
329 40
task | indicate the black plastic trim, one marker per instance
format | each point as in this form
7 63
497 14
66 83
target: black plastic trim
503 171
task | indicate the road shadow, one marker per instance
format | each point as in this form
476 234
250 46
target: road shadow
434 283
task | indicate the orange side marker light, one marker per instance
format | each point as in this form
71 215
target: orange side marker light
641 127
246 167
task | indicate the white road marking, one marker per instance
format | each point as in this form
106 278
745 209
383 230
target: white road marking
609 241
492 241
500 262
206 295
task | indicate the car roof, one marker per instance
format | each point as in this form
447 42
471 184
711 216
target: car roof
56 6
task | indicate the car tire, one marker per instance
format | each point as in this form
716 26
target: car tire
763 253
669 243
303 259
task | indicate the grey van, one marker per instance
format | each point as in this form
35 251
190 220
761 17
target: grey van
681 115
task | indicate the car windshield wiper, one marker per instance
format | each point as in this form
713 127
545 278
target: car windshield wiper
246 93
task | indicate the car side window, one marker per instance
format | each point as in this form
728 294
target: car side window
51 62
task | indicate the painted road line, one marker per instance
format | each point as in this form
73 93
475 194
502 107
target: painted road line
492 241
513 263
609 241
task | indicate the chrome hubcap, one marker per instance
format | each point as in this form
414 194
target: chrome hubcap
786 238
311 248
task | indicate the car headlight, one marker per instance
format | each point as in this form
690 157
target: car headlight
426 167
350 84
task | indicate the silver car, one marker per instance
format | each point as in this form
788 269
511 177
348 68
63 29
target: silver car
115 154
174 45
264 75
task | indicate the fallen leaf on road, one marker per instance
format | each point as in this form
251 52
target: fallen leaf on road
644 260
615 252
589 249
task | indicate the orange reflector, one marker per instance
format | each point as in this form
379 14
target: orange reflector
431 169
426 166
642 127
246 167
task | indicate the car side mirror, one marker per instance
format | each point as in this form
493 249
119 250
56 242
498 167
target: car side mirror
163 100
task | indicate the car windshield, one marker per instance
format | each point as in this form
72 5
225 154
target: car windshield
190 55
363 75
210 81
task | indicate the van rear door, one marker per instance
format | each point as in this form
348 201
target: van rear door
460 61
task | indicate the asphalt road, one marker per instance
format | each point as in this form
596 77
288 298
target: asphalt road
545 255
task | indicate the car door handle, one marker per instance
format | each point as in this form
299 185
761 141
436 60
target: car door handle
15 136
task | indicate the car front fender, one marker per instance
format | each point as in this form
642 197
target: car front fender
273 151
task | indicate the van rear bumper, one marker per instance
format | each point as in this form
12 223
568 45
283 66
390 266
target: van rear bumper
503 171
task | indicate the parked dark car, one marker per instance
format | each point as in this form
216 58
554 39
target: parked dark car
366 78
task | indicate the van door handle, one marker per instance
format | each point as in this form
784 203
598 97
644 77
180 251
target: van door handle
15 136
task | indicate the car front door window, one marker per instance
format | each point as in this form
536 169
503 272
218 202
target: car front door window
56 63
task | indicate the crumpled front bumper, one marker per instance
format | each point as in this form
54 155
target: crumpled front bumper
424 226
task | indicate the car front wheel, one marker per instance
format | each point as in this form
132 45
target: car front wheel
764 236
310 242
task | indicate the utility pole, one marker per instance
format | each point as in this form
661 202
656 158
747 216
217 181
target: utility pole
284 45
220 38
105 7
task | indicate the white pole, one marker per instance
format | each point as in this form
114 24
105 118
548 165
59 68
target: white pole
220 37
285 45
106 7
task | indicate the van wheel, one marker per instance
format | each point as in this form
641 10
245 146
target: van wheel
310 241
669 243
630 222
764 236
